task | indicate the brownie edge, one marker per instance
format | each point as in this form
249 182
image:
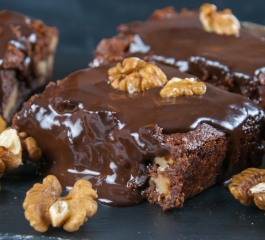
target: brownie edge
27 48
195 163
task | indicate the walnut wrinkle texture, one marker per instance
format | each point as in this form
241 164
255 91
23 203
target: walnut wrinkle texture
135 75
223 22
249 185
10 150
179 87
12 146
44 206
30 147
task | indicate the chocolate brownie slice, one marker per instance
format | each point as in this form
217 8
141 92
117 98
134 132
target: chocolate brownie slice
141 145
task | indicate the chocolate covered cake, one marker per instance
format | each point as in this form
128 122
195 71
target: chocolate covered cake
211 45
26 59
132 143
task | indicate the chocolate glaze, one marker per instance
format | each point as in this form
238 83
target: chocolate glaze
89 130
230 62
182 37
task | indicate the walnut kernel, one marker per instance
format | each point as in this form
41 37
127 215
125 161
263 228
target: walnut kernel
10 140
161 180
179 87
13 145
223 22
31 151
10 150
249 185
135 75
162 183
44 206
30 146
82 203
38 201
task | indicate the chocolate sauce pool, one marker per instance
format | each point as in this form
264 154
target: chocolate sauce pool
89 130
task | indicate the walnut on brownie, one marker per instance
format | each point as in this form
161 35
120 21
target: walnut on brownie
209 44
27 49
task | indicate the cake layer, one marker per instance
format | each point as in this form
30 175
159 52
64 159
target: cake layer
87 129
13 93
232 62
195 164
26 49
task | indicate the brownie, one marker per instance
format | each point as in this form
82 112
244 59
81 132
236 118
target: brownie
139 146
27 49
195 164
235 63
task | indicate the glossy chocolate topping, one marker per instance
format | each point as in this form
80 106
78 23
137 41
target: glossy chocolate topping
87 129
15 29
182 37
234 63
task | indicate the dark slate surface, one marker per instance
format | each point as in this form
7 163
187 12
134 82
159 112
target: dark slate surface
213 214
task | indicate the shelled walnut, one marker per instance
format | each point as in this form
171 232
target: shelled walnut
223 22
136 75
44 206
178 87
10 150
249 185
30 147
12 146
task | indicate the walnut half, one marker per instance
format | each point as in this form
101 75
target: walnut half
10 150
136 75
178 87
44 206
30 147
12 146
249 185
223 22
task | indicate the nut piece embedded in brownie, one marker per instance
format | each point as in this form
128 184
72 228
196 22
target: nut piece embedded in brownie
195 162
27 49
